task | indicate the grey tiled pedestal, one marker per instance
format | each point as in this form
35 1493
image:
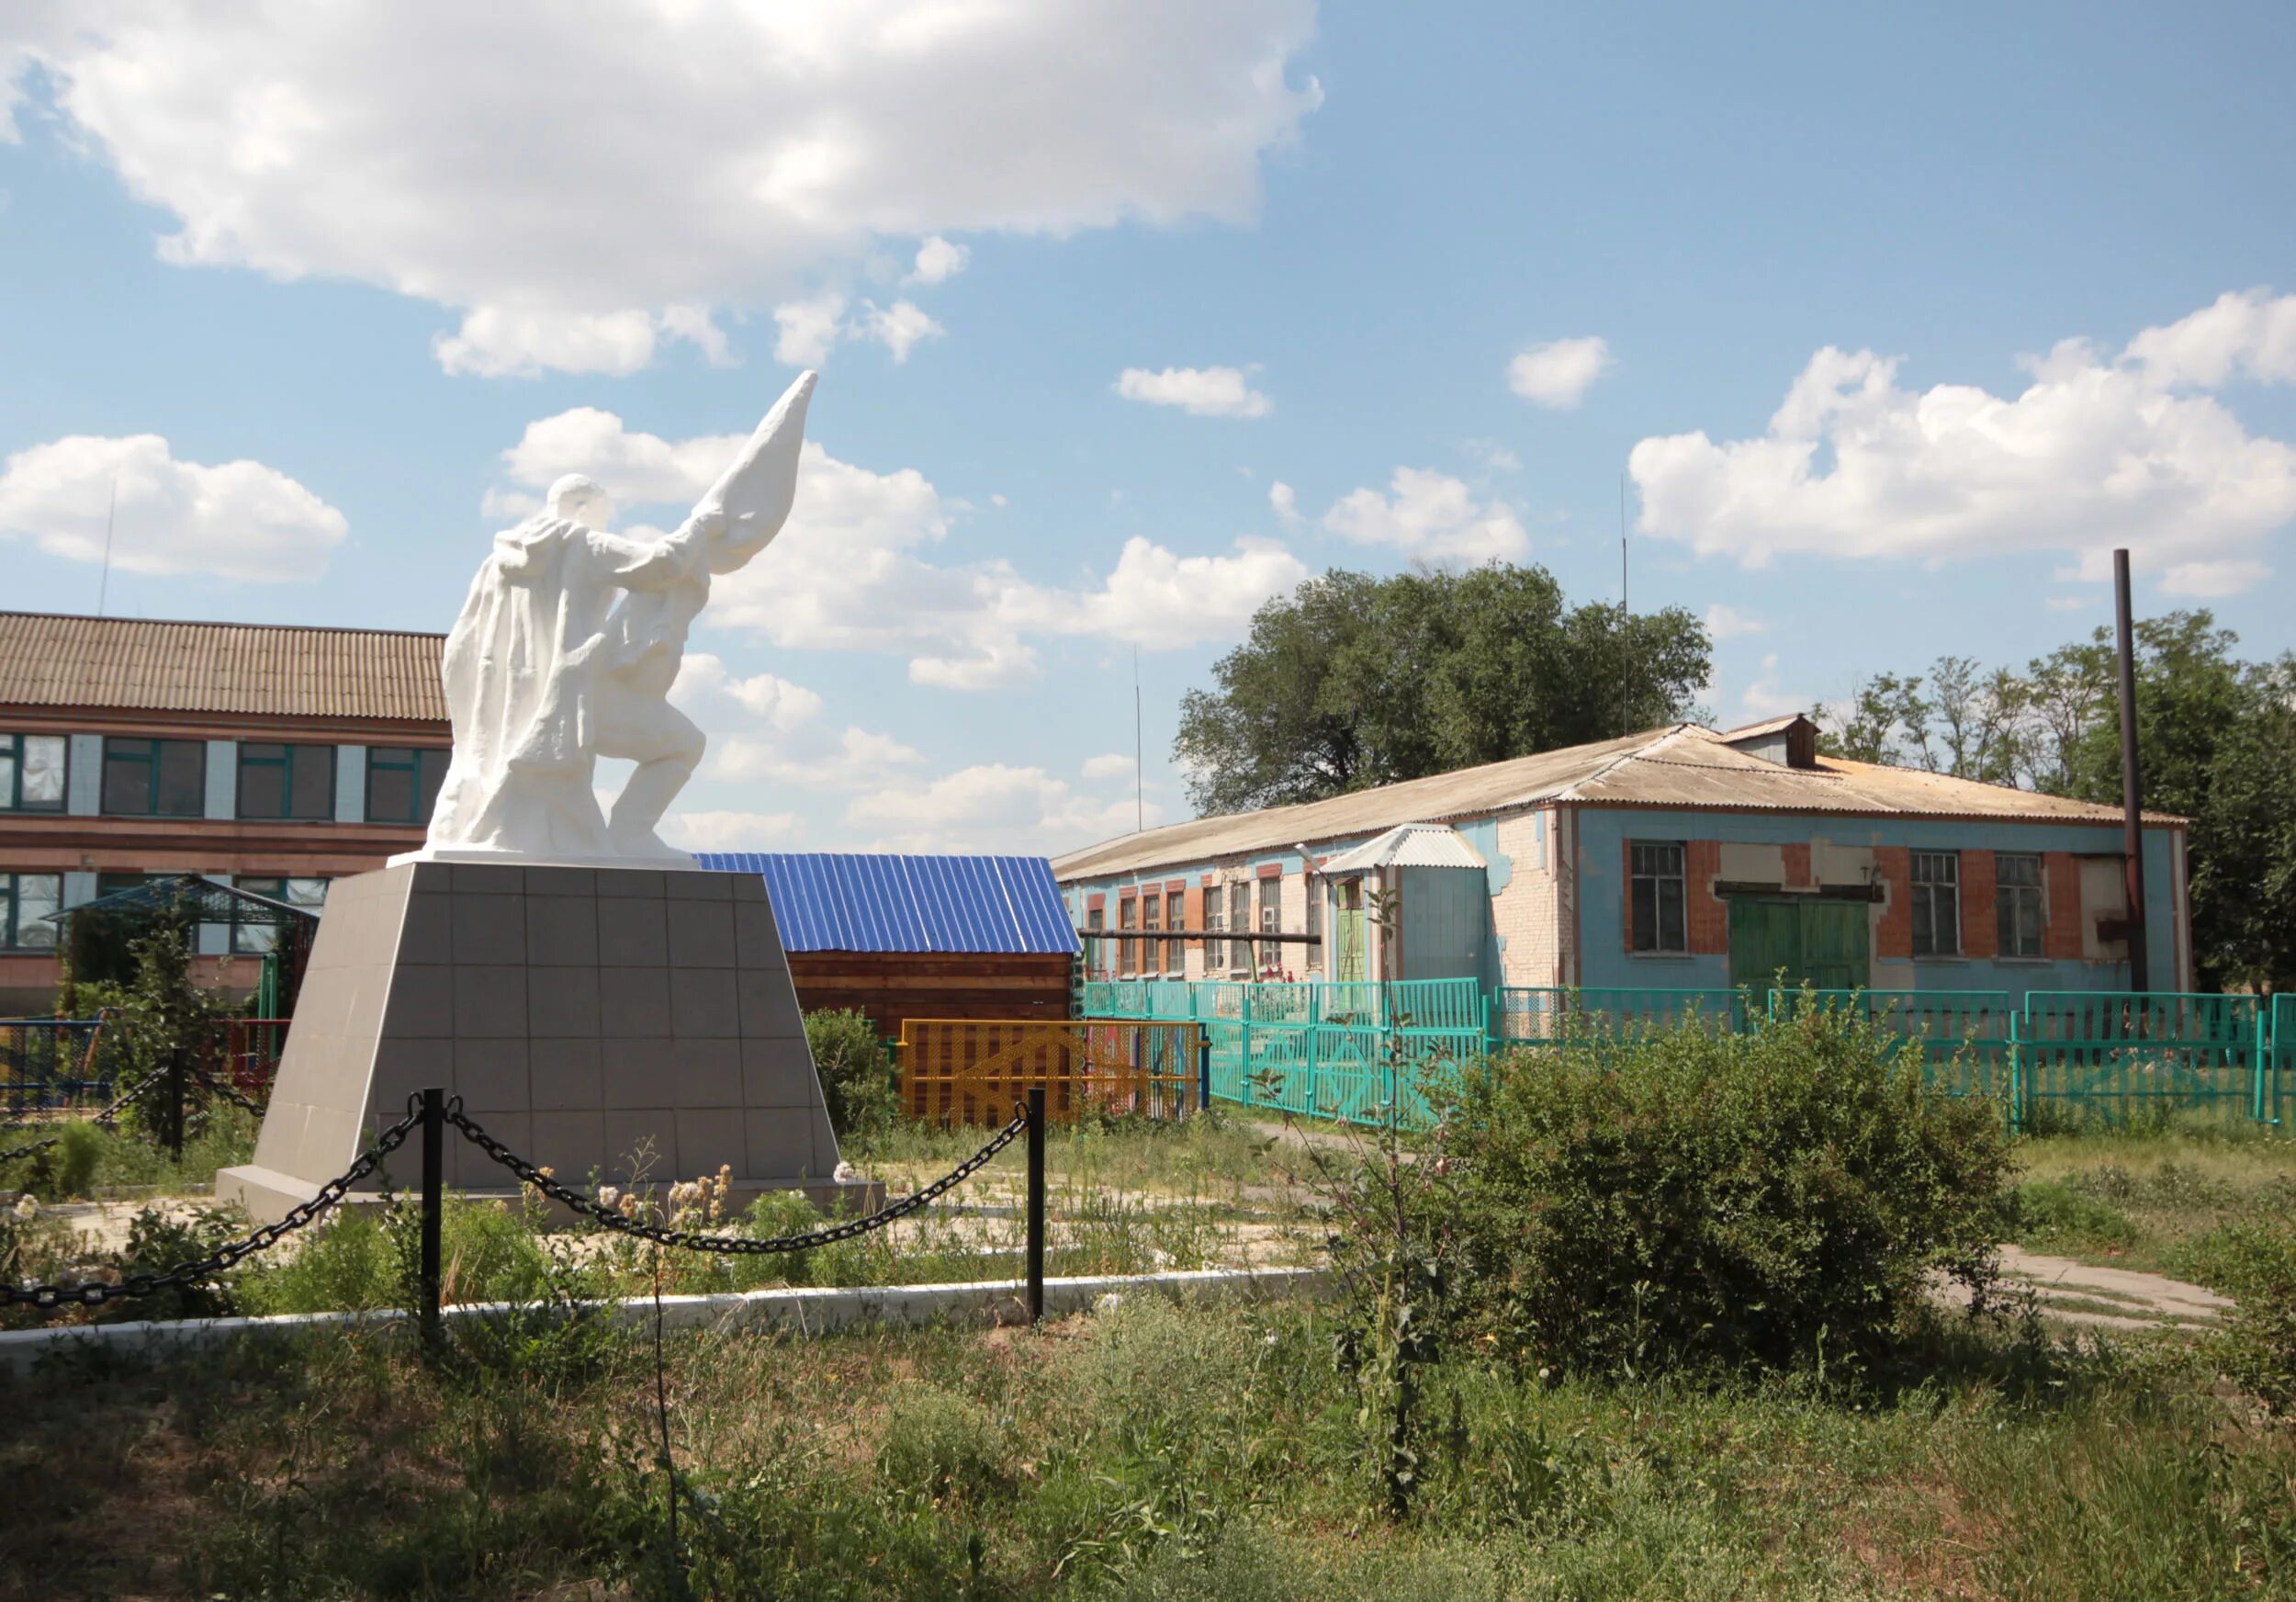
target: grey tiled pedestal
583 1015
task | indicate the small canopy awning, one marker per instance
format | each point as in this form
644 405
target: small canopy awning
1408 845
195 900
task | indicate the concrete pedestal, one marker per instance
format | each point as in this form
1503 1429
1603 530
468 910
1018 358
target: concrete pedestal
587 1016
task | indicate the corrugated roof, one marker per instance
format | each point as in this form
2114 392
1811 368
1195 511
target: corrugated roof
1681 765
59 660
855 902
1410 845
1767 726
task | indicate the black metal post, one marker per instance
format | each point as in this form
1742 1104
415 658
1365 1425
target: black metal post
2131 786
433 1203
1036 1204
175 1102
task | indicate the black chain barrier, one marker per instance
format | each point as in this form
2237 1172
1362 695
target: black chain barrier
95 1294
728 1244
26 1151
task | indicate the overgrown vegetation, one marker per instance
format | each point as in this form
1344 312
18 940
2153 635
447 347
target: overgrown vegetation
856 1073
1778 1199
1147 1453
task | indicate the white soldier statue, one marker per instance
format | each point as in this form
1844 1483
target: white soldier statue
546 671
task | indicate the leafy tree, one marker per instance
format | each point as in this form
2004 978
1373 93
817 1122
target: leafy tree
1355 682
2216 742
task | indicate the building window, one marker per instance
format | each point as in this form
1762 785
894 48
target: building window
25 901
1127 951
155 778
1937 904
31 773
2017 902
286 780
1175 920
1215 924
1271 955
1657 896
253 938
1096 951
403 783
1152 920
1240 921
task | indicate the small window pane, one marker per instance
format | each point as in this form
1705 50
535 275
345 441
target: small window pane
314 794
42 767
127 776
1646 914
262 790
1671 932
390 795
7 771
37 895
433 768
183 778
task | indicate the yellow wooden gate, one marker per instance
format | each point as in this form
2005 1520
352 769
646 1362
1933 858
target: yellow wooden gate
979 1070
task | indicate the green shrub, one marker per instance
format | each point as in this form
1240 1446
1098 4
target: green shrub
2255 1261
856 1075
1697 1198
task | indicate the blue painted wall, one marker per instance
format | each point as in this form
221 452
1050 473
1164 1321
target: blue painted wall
1606 962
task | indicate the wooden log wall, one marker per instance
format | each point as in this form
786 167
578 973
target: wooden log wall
893 987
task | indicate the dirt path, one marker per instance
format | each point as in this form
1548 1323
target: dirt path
2110 1298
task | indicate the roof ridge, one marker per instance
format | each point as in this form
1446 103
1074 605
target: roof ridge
222 622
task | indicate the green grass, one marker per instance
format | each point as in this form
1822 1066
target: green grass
1147 1453
2152 1199
95 1160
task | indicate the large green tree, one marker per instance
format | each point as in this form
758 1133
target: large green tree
1355 680
2216 742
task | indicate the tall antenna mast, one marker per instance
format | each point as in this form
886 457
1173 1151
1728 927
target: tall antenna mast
104 585
1140 751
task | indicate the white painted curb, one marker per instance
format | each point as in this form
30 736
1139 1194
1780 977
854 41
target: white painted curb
809 1311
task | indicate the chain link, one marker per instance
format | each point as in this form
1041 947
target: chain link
26 1151
728 1244
95 1294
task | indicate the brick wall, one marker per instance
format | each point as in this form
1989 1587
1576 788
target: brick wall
2061 937
1708 916
1893 936
1525 916
1980 923
1797 872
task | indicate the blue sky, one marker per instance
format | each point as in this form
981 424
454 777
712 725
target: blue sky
1894 325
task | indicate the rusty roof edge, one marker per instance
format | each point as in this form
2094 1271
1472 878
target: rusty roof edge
132 623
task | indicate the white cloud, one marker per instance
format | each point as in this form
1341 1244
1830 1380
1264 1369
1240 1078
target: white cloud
1286 503
710 694
1198 391
504 342
1494 457
2069 602
852 759
848 572
2213 579
731 831
1727 623
938 261
2247 335
1430 515
558 165
1109 765
1761 698
1557 375
236 520
808 328
2092 454
898 327
992 806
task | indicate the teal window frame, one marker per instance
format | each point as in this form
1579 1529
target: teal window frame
12 790
425 767
292 763
255 938
149 753
12 909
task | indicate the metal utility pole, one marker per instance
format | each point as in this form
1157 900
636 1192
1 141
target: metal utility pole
2132 788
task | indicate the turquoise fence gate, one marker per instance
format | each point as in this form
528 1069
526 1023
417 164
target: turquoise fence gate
1538 1015
1964 1036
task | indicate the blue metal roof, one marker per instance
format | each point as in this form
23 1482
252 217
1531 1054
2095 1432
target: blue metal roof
850 902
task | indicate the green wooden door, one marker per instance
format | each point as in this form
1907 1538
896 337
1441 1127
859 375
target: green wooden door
1797 939
1834 945
1765 938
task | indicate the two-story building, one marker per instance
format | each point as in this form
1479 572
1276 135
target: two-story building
272 757
1677 857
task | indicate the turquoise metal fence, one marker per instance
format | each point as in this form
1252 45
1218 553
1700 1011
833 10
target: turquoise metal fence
1963 1035
1366 1052
2078 1050
1531 1015
1362 1052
